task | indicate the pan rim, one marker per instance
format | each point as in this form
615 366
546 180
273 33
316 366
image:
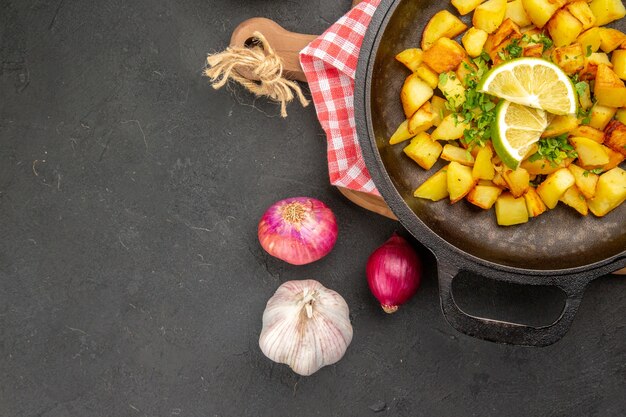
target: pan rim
409 219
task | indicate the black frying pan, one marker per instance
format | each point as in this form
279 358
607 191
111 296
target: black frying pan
558 248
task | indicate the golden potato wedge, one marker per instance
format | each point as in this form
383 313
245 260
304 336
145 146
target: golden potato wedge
615 136
484 196
449 129
401 134
581 11
422 119
411 58
585 180
590 39
533 50
555 186
415 92
610 192
620 115
466 6
506 31
511 210
591 65
489 15
457 154
439 109
600 116
609 89
564 28
590 153
516 12
611 39
423 150
540 11
452 89
615 158
543 166
610 96
574 198
588 132
442 25
598 58
444 55
518 180
570 58
559 125
474 40
428 75
618 59
460 181
534 203
483 168
435 188
498 180
607 11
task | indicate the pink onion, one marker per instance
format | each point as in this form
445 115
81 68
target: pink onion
298 230
393 273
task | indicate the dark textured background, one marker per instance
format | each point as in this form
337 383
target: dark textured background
131 280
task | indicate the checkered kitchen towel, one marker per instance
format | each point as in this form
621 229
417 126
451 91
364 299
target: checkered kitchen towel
329 63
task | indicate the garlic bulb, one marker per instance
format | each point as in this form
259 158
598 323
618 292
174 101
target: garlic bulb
306 326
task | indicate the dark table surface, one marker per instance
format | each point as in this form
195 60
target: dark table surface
131 279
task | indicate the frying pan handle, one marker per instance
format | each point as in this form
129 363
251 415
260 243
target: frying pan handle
501 331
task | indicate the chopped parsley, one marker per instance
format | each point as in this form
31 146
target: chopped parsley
546 41
541 38
555 149
584 115
589 50
581 87
478 108
596 171
443 78
512 50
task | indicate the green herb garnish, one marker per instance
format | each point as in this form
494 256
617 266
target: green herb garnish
541 38
555 149
596 171
546 41
443 78
478 108
584 115
581 87
512 50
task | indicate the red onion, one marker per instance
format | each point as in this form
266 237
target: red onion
393 273
298 230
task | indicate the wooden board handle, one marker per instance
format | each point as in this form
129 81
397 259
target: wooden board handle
368 201
286 44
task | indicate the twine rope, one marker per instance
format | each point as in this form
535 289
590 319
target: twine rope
265 66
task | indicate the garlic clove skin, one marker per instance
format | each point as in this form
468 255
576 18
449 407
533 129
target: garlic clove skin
306 326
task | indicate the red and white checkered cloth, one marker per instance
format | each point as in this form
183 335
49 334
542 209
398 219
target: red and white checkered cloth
329 63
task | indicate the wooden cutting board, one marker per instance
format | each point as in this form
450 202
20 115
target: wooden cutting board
288 45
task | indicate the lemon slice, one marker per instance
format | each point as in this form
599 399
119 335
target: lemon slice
515 130
533 82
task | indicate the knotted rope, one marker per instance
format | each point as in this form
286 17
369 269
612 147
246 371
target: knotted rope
258 69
